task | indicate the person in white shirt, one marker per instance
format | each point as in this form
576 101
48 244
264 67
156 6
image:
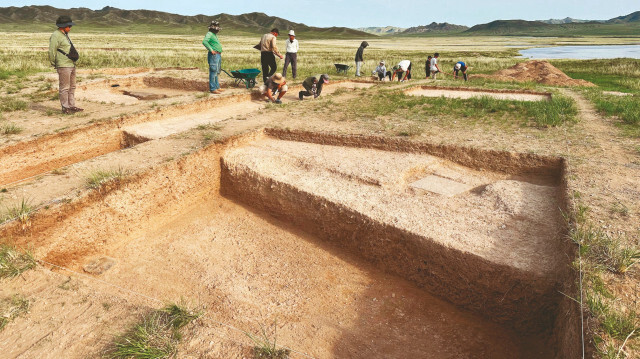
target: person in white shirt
403 66
434 65
292 55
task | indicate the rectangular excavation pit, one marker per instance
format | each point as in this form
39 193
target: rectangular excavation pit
170 234
469 92
495 249
131 90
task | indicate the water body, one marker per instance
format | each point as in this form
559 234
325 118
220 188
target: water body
583 52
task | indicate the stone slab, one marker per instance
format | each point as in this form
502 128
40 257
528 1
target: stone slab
440 185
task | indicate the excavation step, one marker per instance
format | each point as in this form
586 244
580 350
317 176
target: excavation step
466 93
477 238
170 126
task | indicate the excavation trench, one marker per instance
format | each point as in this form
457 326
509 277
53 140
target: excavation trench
468 92
426 251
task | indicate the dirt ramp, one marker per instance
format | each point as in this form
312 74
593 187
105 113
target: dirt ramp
537 71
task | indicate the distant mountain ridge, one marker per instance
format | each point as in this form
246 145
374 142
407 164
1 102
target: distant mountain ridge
41 18
622 25
385 30
435 27
566 20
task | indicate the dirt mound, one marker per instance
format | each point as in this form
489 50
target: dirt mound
538 71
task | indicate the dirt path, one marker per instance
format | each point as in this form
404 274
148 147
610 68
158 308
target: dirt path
607 168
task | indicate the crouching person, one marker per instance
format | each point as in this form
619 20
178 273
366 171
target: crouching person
275 85
313 86
382 72
460 67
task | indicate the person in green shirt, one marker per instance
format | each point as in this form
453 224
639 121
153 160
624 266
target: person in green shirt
214 57
63 57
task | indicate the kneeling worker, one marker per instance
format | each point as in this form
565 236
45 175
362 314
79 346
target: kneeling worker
403 66
313 86
273 85
460 66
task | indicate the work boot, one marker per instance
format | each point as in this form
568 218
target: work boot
76 109
300 96
66 111
278 101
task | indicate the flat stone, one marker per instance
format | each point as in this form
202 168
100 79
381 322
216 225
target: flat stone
140 95
99 266
440 185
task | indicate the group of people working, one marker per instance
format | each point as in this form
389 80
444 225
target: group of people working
431 69
63 56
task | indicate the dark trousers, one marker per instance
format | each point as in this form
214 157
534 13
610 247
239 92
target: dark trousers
290 57
381 76
268 60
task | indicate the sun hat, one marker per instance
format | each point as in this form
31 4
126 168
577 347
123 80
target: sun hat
381 62
292 33
277 78
64 21
458 66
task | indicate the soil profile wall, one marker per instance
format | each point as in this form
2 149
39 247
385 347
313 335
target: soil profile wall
522 299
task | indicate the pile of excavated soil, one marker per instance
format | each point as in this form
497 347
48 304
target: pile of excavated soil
538 71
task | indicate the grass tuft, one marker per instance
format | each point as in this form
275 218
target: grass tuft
13 262
265 348
22 212
8 104
605 250
98 178
11 308
156 336
10 128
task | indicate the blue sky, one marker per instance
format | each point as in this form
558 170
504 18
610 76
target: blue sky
360 13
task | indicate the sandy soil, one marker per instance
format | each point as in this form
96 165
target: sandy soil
211 248
465 94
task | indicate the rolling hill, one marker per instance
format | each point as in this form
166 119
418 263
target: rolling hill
42 18
628 25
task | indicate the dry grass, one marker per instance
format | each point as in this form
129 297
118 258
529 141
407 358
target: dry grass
11 308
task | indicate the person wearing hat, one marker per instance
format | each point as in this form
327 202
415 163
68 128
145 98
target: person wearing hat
63 56
460 66
359 57
382 72
268 52
313 86
291 56
214 56
273 85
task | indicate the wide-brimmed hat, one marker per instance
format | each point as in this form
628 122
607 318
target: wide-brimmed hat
458 66
64 21
292 33
277 78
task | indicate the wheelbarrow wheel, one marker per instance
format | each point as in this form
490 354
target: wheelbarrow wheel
251 83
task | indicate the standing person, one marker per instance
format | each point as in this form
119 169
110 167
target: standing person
275 84
434 65
63 56
460 66
313 86
382 72
292 55
427 67
268 52
403 66
214 57
359 58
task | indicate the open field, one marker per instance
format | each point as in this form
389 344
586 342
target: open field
498 219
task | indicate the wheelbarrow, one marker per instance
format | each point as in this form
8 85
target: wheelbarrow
342 68
245 76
